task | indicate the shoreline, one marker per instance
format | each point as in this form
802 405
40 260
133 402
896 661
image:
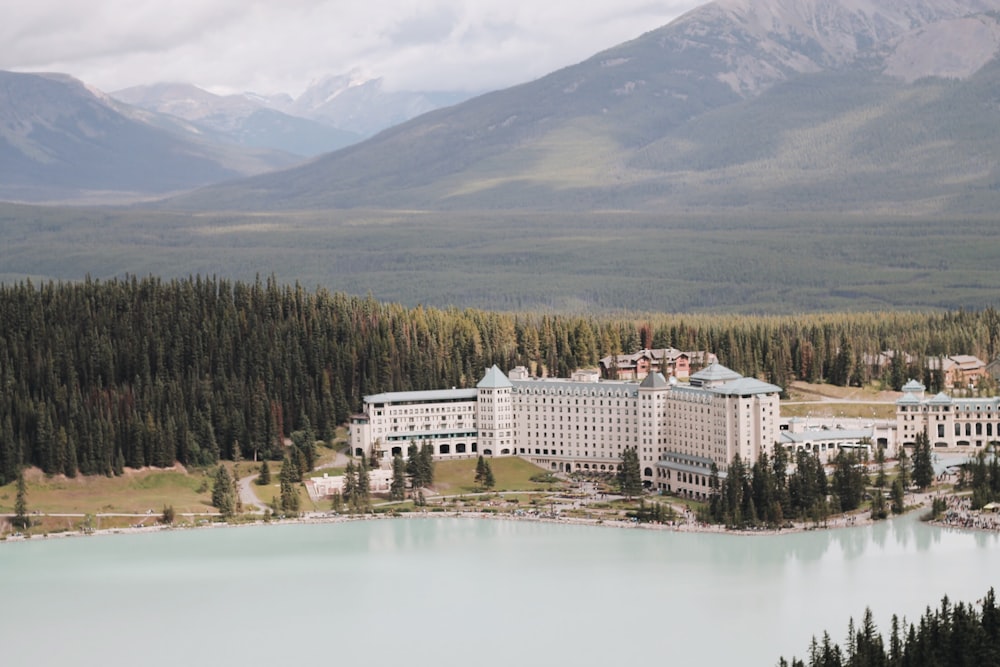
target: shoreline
840 522
921 503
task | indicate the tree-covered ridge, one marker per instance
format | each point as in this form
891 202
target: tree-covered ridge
97 376
954 635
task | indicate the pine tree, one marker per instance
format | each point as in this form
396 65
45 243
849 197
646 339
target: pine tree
236 489
362 492
480 471
629 474
397 489
350 485
413 466
21 519
878 506
265 474
923 463
880 478
489 481
898 496
222 493
427 465
904 468
289 492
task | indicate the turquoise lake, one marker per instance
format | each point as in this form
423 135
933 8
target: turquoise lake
468 592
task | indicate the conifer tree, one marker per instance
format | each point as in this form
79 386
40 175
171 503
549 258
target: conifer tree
350 485
236 489
362 491
222 493
264 478
878 506
880 477
480 470
21 519
489 481
427 465
413 465
397 489
898 496
923 463
629 474
903 466
288 490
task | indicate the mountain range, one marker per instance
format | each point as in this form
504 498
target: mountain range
333 112
857 105
62 140
753 155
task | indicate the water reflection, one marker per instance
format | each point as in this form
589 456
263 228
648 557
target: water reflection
411 579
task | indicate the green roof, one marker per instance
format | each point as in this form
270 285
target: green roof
655 381
715 373
745 387
494 379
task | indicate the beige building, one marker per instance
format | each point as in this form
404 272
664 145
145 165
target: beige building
445 419
957 424
719 415
583 423
826 437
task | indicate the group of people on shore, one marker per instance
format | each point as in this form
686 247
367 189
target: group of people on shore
959 514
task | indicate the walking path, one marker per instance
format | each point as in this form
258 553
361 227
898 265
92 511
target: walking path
248 496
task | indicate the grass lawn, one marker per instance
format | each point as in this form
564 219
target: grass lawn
133 492
825 400
677 501
511 474
268 493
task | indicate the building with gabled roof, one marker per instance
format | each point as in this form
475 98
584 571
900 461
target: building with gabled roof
668 361
951 424
583 423
958 370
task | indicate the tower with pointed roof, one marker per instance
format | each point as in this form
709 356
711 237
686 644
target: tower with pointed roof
583 424
653 393
495 414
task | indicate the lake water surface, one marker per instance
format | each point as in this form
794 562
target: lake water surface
464 592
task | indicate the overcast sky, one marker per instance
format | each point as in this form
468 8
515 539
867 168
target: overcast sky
281 45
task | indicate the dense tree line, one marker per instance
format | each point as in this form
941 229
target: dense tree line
950 636
982 475
96 376
767 494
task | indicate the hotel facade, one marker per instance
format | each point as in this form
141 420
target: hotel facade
583 423
958 424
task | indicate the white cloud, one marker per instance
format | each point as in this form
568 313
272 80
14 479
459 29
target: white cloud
271 46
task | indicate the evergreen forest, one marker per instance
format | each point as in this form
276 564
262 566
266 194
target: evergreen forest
97 376
953 635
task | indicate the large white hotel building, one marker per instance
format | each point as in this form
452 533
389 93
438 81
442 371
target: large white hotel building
583 424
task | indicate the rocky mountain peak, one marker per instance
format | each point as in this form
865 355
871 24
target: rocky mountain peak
761 42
